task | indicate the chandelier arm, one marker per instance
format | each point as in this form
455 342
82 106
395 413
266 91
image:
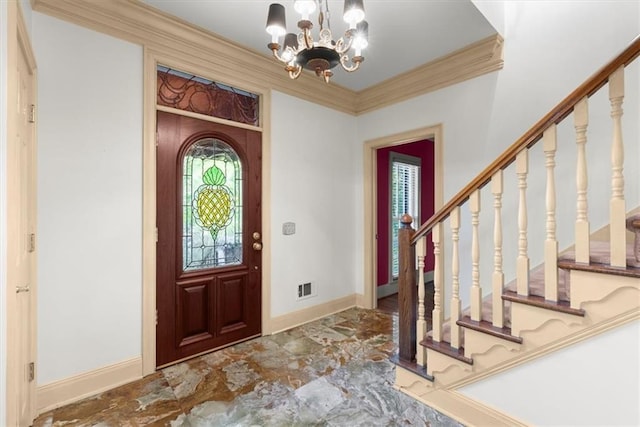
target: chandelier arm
357 60
294 72
277 55
342 46
275 48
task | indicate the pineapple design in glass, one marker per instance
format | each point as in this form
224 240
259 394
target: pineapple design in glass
213 205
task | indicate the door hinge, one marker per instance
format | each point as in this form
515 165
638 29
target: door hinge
156 234
156 317
32 242
31 371
32 113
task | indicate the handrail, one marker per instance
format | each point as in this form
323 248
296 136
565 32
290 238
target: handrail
556 115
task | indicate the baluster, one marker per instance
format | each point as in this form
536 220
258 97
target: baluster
522 275
421 325
456 337
582 229
617 208
550 244
498 275
437 316
476 290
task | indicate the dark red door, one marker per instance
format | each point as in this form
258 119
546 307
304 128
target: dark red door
209 236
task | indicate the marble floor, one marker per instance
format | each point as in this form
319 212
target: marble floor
331 372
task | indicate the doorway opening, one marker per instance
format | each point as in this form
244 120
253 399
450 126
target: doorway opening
420 147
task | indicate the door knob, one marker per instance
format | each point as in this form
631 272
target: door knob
20 289
257 246
256 235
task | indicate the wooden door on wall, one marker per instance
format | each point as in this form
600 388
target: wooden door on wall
209 236
21 222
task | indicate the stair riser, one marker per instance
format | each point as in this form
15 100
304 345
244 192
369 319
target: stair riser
446 369
530 318
407 380
594 287
487 351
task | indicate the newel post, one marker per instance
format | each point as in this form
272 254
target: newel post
407 291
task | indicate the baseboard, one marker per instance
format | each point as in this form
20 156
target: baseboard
306 315
455 405
360 301
386 290
68 390
383 291
468 411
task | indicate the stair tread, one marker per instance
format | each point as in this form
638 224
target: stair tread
599 259
445 348
488 328
597 267
538 301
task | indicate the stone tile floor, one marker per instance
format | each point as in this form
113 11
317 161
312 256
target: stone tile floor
331 372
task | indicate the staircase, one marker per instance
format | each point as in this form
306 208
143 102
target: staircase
571 295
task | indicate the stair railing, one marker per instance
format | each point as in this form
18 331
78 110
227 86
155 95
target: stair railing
412 243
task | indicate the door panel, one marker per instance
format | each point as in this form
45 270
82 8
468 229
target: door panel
208 214
232 302
193 316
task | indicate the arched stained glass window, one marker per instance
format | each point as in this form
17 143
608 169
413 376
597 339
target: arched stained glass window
211 206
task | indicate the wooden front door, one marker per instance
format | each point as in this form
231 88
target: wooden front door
209 236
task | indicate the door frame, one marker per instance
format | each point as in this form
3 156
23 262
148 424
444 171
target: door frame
18 43
371 198
199 67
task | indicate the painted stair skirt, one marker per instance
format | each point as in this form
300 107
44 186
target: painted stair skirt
599 254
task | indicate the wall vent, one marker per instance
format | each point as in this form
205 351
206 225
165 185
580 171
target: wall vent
305 290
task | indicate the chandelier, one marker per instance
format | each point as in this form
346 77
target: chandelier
300 51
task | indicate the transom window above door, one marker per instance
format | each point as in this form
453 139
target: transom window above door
188 92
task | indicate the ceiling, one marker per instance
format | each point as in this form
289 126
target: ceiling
403 34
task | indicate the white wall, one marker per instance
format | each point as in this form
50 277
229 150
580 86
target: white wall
312 185
89 199
593 383
3 210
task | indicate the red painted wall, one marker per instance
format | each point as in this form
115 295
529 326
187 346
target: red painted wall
425 151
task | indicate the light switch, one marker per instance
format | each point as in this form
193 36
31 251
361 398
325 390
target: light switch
289 228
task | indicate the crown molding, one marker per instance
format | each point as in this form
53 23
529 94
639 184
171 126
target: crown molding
474 60
232 63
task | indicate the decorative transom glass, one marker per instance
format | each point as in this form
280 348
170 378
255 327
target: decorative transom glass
187 92
211 206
